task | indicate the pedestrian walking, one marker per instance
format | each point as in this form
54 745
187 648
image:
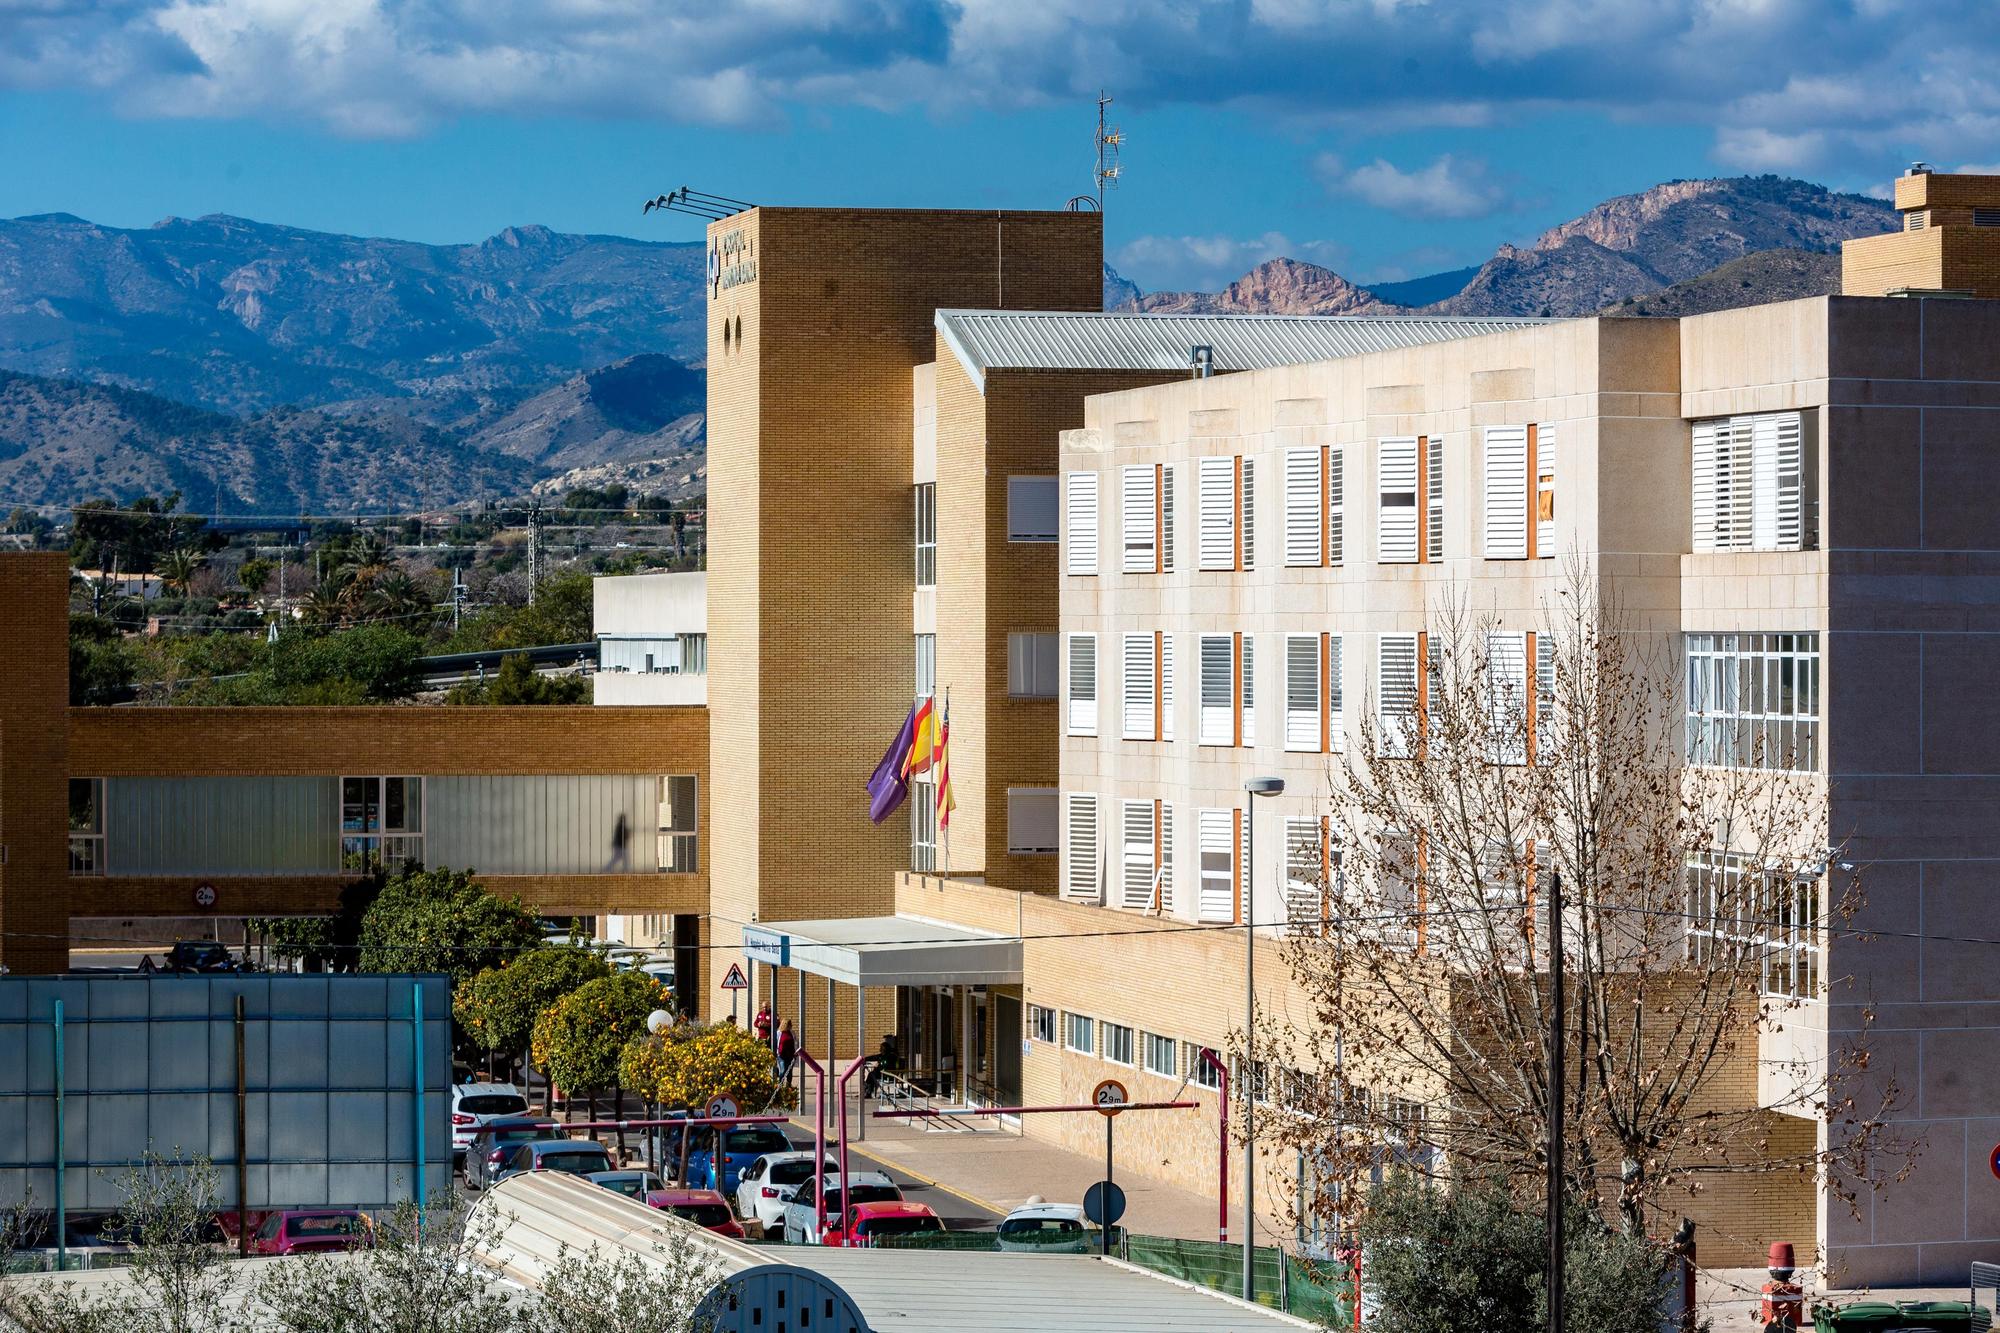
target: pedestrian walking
788 1050
761 1023
621 847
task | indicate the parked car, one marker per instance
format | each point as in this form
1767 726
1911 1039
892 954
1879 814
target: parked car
312 1231
867 1223
1047 1228
631 1184
476 1104
803 1228
762 1186
576 1157
494 1143
741 1145
704 1208
200 956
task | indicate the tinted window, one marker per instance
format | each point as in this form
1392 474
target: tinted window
876 1194
324 1226
897 1226
790 1173
756 1140
1026 1226
493 1103
507 1137
629 1186
702 1214
576 1163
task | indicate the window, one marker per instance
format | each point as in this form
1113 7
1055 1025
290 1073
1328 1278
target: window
1082 874
1216 832
1434 499
1247 492
1508 705
1547 720
1542 452
1141 722
381 822
694 654
1247 649
1217 544
923 825
1081 502
1307 891
1167 519
1166 687
1031 509
1138 857
1253 1079
1042 1023
1304 499
1986 217
1162 1055
1772 919
1750 491
1166 870
677 823
1083 684
1118 1044
1753 700
1396 500
1336 696
1506 492
1077 1034
1031 666
927 535
1302 694
1139 501
86 826
1031 821
926 654
1217 724
1336 506
1204 1066
1396 694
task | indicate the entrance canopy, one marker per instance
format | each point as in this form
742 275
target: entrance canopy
887 951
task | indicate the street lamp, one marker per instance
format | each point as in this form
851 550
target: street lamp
1255 787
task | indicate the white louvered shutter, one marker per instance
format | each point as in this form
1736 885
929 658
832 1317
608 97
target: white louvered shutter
1167 877
1082 685
1218 695
1140 519
1216 897
1735 488
1302 512
1249 688
1302 692
1506 492
1081 504
1546 718
1336 695
1135 883
1336 505
1167 519
1507 695
1081 881
1138 688
1544 511
1706 444
1776 477
1216 544
1246 874
1396 693
1249 513
1396 493
1305 907
1434 502
1166 687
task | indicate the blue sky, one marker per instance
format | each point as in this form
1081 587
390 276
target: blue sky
1383 138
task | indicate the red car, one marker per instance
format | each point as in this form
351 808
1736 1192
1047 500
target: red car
310 1231
704 1208
866 1223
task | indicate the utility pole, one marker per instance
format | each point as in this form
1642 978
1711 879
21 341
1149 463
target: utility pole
457 595
1556 1040
534 550
1109 139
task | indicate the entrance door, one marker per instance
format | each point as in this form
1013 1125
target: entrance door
1007 1049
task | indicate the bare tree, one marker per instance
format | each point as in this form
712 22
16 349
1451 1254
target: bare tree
1697 897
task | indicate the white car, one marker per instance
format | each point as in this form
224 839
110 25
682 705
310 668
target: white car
1047 1228
762 1189
473 1104
802 1227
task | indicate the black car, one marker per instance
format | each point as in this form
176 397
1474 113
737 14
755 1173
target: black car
495 1142
200 956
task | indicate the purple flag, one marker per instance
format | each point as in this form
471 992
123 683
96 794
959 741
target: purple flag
887 787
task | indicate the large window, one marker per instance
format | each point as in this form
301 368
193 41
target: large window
1162 1055
927 534
1118 1046
923 826
1031 509
677 824
1031 666
1139 688
1753 700
1139 505
1080 504
86 826
1751 484
1078 1034
1217 838
1769 918
1082 685
1031 821
1083 872
1227 713
926 652
1042 1024
381 823
1200 1071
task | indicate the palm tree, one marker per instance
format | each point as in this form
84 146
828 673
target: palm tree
394 595
177 570
323 606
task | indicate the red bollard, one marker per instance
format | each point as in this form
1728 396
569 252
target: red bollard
1784 1300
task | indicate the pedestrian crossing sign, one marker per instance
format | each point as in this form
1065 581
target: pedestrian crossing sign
735 980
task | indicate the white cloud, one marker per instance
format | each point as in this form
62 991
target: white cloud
1450 187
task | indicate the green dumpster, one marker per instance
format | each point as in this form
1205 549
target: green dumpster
1946 1316
1860 1317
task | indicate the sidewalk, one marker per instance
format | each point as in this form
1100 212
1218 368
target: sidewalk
997 1169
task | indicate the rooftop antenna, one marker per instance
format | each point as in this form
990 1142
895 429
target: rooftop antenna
1109 139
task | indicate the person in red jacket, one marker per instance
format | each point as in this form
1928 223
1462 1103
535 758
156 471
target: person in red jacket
788 1050
761 1024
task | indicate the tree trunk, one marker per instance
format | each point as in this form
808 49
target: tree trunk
618 1100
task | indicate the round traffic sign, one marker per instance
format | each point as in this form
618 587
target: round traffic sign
1095 1198
1109 1096
722 1108
1993 1159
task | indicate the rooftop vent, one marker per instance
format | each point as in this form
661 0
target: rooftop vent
1201 360
1918 169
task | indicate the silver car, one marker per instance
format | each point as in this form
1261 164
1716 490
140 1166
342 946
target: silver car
762 1190
473 1105
802 1226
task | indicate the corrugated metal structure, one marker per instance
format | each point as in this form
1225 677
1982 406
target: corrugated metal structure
1068 340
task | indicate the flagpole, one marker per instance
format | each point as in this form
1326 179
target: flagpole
945 814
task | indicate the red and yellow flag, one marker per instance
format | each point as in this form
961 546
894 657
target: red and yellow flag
946 801
922 742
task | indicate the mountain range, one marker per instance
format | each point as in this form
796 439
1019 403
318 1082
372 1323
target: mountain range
270 368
